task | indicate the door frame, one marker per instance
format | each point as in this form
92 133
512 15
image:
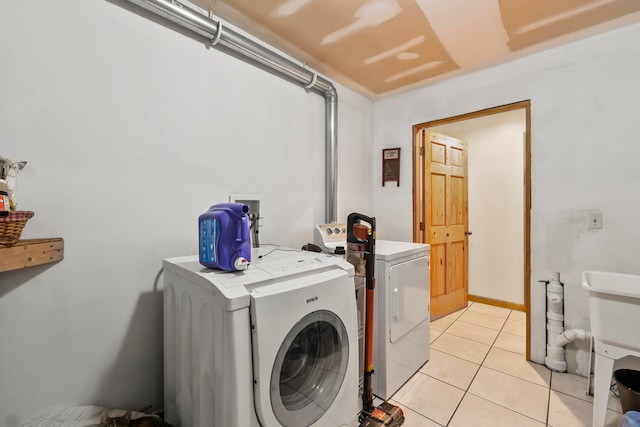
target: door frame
418 189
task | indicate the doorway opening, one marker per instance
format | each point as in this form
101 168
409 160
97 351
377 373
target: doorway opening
472 203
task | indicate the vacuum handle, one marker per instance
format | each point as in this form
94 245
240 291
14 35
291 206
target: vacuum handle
351 221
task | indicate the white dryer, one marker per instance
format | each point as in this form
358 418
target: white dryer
402 315
274 345
402 307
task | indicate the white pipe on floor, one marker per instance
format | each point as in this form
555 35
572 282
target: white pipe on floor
570 335
557 337
555 358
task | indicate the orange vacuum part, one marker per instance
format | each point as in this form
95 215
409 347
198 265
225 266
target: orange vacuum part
361 240
386 415
362 232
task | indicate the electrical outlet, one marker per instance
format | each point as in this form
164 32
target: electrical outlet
254 206
594 220
253 202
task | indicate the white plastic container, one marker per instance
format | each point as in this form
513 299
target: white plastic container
614 300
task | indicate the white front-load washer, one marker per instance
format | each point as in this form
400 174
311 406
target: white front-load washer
274 345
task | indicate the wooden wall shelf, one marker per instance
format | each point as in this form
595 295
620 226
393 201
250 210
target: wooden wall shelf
28 253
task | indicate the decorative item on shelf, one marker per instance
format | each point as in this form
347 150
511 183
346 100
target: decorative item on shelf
11 227
9 172
4 198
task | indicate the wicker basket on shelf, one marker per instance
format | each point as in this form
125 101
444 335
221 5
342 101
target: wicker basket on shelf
11 227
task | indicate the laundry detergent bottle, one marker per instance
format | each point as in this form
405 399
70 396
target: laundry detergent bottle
225 243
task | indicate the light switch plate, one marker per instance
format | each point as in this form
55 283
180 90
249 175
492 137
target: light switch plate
594 220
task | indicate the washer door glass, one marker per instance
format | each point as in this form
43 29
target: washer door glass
309 369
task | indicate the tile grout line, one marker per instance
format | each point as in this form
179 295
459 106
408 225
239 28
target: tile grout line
474 375
417 410
546 422
549 385
491 346
465 391
549 397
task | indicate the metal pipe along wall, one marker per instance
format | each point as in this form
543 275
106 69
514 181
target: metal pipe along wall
257 53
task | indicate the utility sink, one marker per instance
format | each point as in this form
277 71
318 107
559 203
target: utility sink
614 300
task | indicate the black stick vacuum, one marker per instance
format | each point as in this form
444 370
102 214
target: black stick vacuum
361 241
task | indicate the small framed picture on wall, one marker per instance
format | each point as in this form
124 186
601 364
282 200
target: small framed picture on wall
391 165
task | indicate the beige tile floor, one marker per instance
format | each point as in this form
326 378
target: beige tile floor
477 376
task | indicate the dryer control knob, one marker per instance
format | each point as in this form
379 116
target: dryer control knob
241 263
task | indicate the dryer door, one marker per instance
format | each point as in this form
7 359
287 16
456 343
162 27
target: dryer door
309 369
407 296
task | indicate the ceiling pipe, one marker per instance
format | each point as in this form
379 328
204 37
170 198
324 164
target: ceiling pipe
218 33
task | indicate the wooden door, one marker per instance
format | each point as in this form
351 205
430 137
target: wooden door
445 219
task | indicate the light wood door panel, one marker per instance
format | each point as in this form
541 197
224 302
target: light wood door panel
446 220
436 152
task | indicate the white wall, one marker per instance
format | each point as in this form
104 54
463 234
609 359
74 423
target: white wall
131 130
496 202
584 104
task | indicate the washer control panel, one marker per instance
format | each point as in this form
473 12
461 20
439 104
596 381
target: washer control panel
328 236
